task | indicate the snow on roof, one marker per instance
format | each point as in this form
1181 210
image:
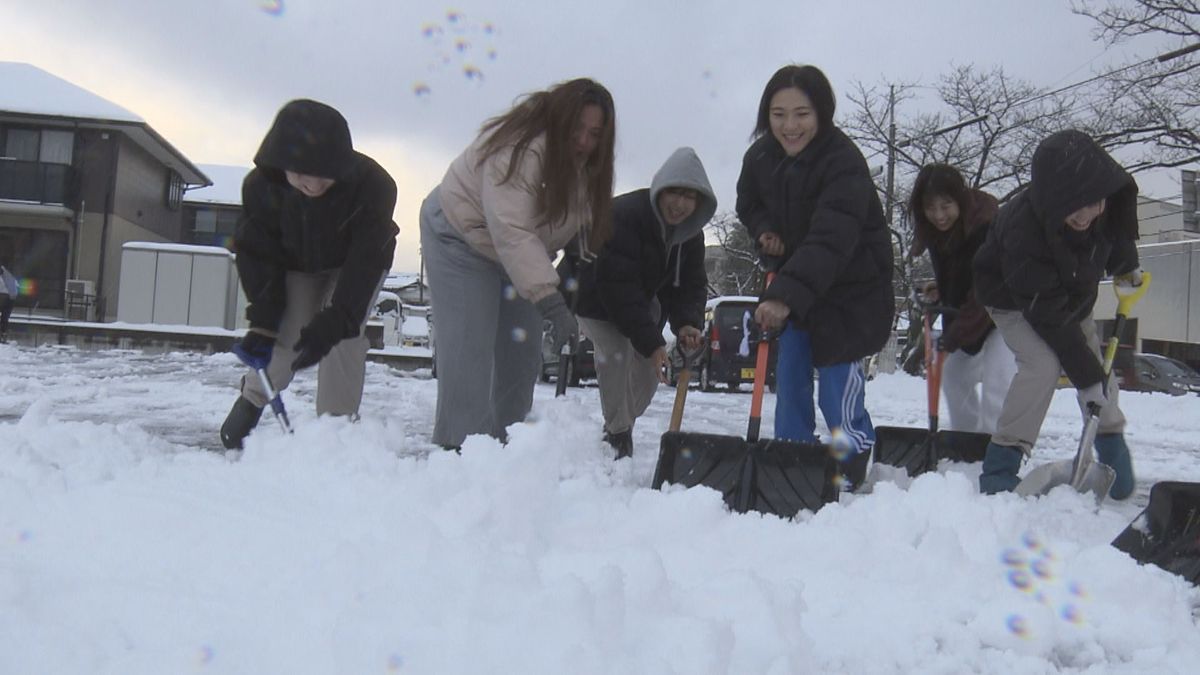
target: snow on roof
398 280
226 187
177 248
415 326
28 89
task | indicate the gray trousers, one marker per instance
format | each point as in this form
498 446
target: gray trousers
339 375
1033 386
488 338
628 380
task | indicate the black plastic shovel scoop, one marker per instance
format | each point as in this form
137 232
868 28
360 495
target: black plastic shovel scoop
1167 533
919 450
768 476
1083 472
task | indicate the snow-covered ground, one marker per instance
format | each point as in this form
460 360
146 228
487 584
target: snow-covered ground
127 545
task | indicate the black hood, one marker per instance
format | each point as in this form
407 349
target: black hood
1071 171
311 138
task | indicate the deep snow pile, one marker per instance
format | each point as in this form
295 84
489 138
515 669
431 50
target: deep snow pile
127 547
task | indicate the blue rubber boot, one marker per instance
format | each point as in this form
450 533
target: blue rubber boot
1000 466
1112 451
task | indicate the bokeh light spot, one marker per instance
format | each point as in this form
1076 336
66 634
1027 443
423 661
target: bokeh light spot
519 334
1013 557
1020 579
1042 568
206 655
509 292
272 7
1017 625
1071 614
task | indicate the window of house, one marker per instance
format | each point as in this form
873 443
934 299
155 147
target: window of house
174 197
57 147
21 144
206 221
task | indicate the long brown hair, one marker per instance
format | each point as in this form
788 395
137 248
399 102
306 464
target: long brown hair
938 180
555 112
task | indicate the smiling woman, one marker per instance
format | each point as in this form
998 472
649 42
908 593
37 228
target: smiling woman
805 195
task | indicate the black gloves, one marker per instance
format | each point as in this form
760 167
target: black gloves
254 349
564 326
326 329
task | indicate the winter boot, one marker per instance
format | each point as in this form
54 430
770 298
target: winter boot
853 470
1114 453
622 442
242 418
1000 466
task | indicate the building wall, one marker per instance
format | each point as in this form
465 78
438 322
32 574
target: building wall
1170 310
120 231
141 193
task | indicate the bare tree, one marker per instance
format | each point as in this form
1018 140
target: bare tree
733 266
1152 105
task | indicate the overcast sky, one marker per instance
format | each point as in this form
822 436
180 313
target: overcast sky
415 79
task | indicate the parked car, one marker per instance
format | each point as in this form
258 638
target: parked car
730 346
1155 373
583 368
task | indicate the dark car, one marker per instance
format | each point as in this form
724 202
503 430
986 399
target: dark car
1154 373
583 367
730 346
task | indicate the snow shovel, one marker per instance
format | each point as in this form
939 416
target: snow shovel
276 402
764 475
681 384
1083 472
259 365
919 450
1167 533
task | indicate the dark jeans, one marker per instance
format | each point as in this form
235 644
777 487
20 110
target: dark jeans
6 308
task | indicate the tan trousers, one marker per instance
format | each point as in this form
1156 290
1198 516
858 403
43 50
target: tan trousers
340 374
1033 386
628 380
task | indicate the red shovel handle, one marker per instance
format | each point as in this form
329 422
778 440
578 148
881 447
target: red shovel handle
933 371
760 380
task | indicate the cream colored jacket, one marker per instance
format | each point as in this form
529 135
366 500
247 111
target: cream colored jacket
502 223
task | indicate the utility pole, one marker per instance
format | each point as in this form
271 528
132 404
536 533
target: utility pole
889 199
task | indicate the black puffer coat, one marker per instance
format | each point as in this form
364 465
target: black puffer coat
646 260
837 272
1032 262
349 228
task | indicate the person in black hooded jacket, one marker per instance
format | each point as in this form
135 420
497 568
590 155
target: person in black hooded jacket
1037 273
314 243
649 272
806 196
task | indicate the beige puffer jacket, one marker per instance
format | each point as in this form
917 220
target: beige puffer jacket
501 222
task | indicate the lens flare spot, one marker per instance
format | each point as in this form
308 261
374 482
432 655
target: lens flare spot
1017 625
1031 541
206 655
472 73
1013 558
1076 589
395 663
272 7
461 45
519 334
1042 568
686 453
24 536
421 89
431 29
491 54
509 293
571 284
1020 579
841 446
1071 614
454 16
